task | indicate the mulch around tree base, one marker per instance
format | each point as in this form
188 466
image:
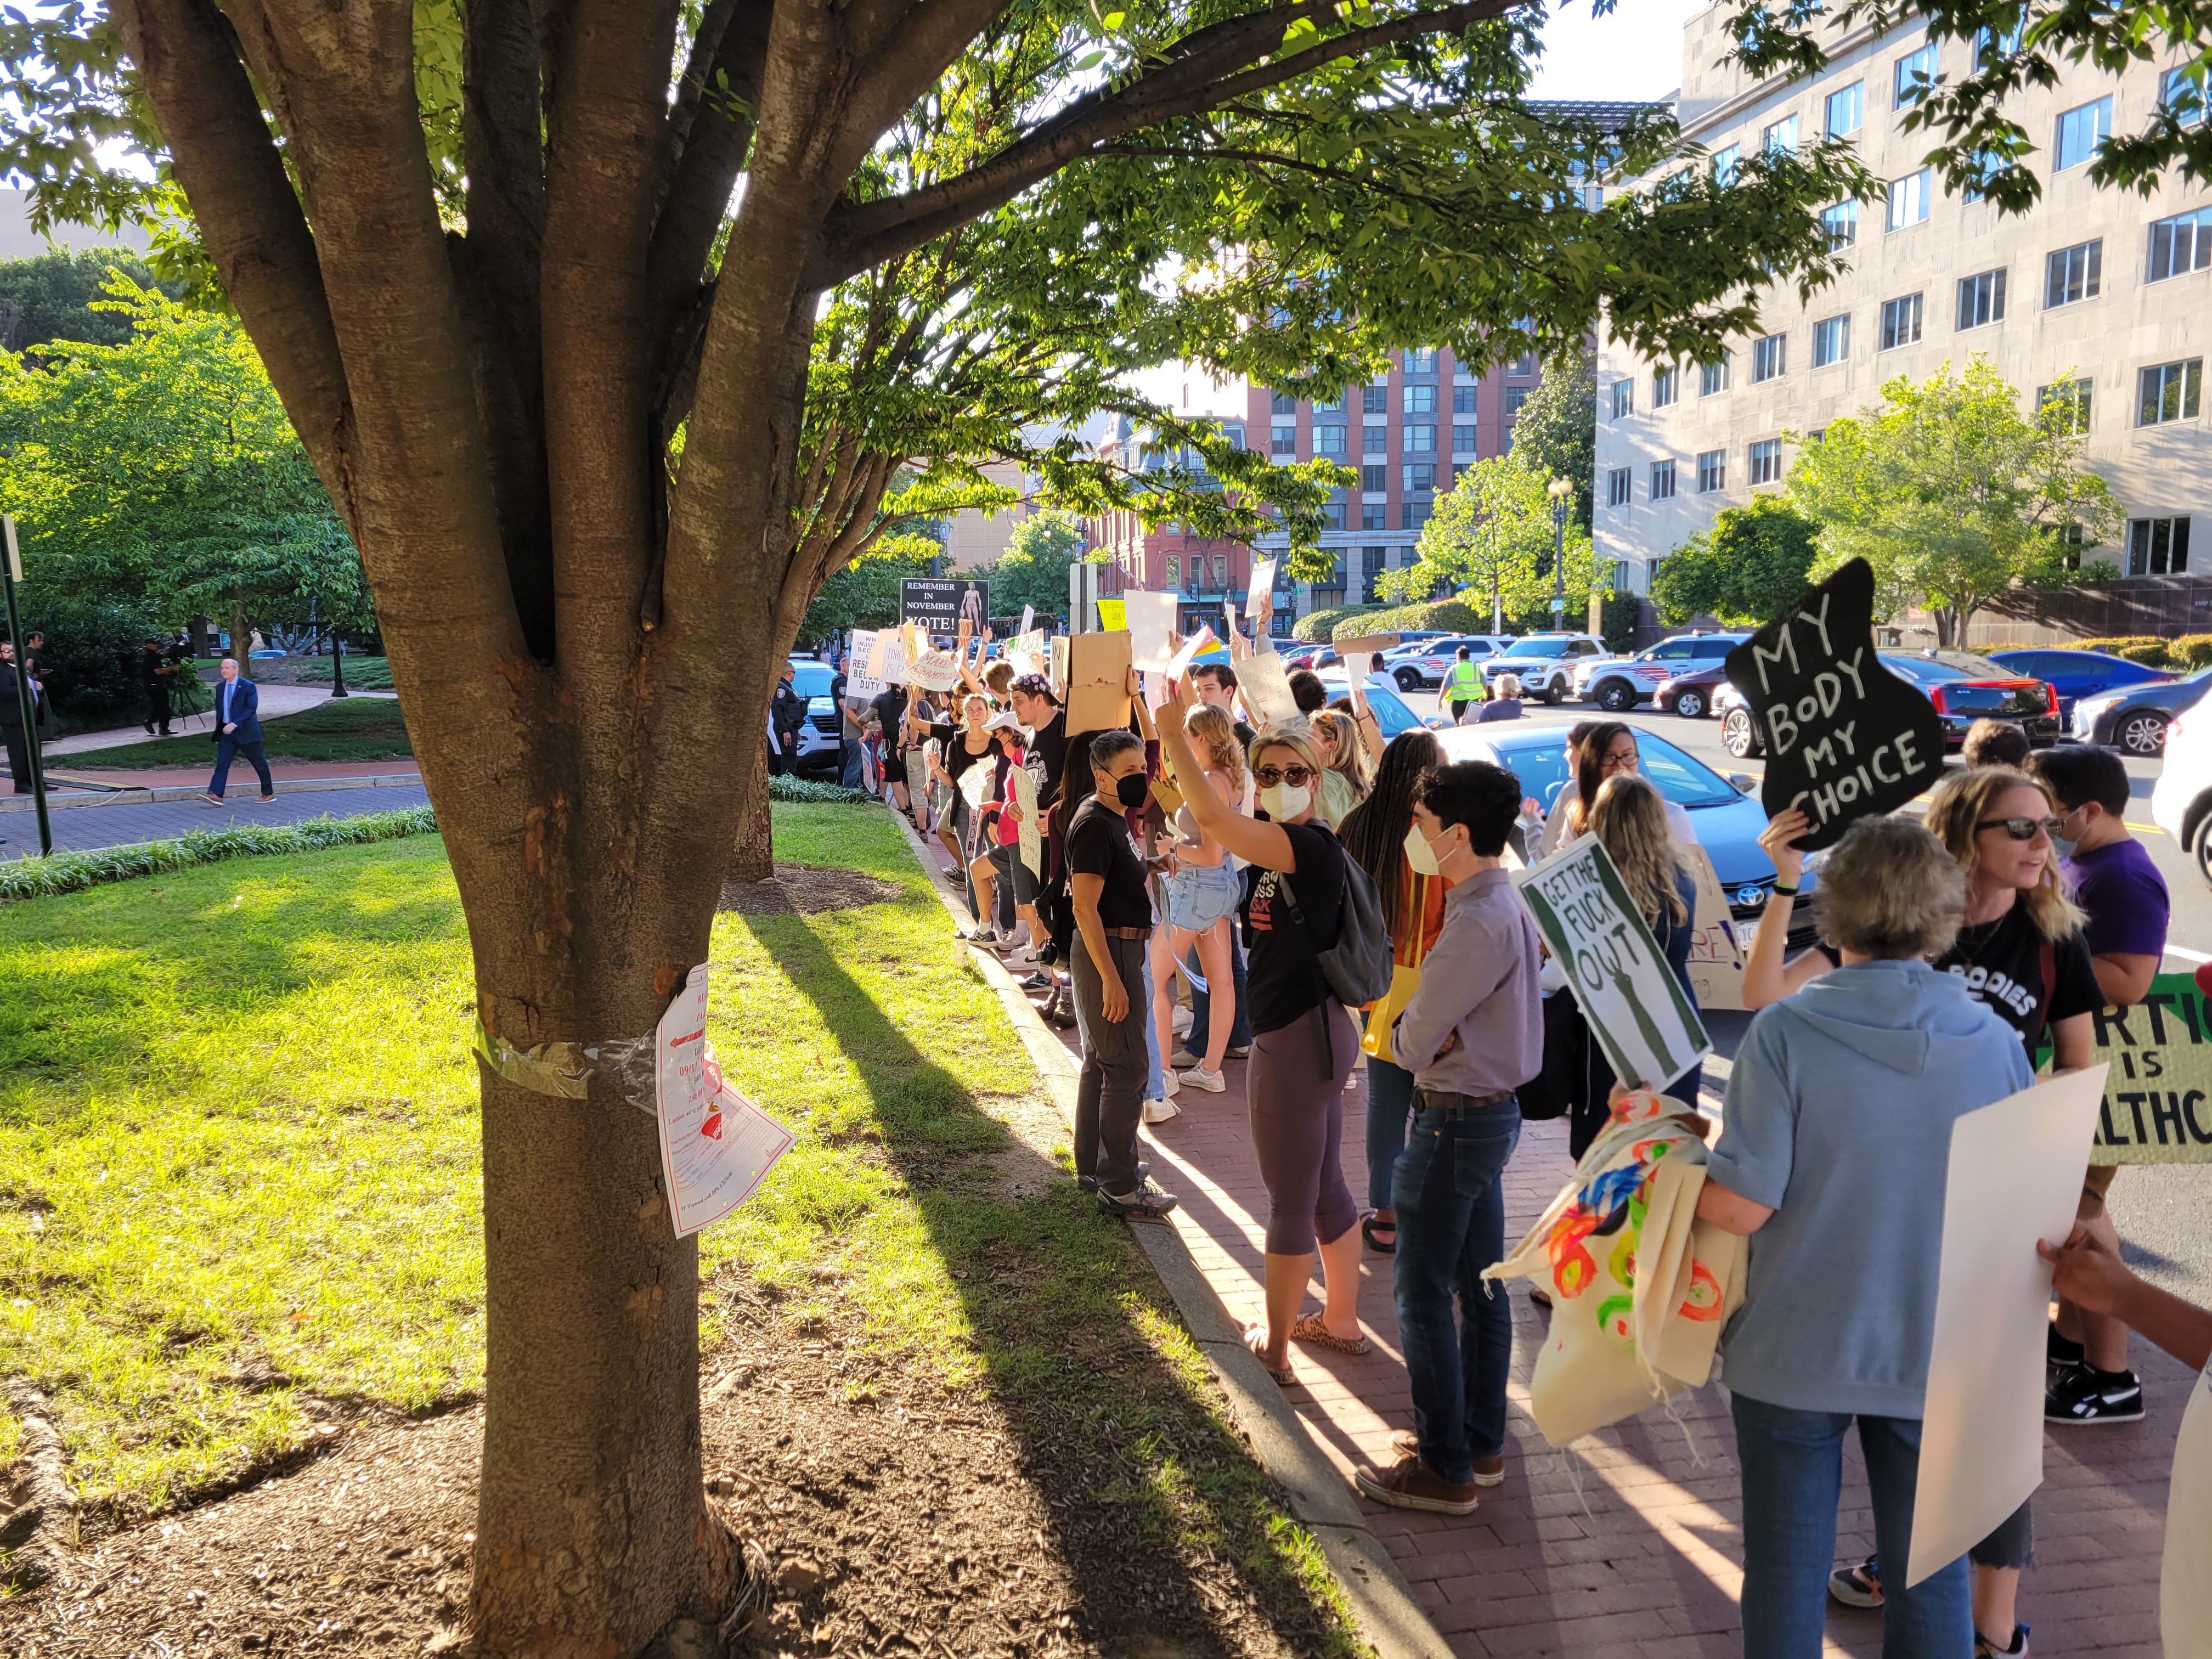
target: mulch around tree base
806 889
901 1518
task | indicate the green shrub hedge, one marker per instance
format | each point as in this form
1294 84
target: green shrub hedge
1316 627
815 792
1441 616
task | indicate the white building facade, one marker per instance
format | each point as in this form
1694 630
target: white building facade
2101 297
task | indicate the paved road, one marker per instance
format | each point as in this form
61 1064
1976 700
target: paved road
2158 1209
80 828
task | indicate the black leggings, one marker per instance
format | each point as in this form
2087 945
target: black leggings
1294 1091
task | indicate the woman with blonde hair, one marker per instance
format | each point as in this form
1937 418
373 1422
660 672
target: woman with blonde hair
1202 896
2022 955
1344 775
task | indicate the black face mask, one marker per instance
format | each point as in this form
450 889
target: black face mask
1132 791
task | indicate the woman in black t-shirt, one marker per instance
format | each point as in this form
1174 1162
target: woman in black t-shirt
1303 1043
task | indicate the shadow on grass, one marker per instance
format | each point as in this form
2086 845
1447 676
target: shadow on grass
1141 1481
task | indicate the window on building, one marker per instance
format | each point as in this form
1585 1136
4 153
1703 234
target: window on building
2158 547
1374 515
1770 358
2065 404
1816 434
1328 405
1420 360
1712 472
1781 138
1459 469
1375 399
1624 400
1175 570
2180 245
1766 462
1515 396
1419 475
1842 222
1286 403
1832 341
1463 399
1901 322
1663 481
1724 162
1987 165
1712 377
1908 199
1329 441
1523 366
1666 385
1375 440
2080 130
1412 515
1462 440
1420 400
1335 509
2183 92
1981 299
1285 440
1990 47
1420 440
1846 110
2171 392
1374 477
1371 567
1912 76
1620 486
2074 273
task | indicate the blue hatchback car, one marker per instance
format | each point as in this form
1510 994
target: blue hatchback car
2078 674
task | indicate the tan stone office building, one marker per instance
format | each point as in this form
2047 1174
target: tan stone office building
2100 297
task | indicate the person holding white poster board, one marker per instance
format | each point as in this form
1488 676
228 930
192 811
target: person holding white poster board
1832 1160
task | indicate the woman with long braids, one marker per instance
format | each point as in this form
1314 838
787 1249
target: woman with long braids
1377 837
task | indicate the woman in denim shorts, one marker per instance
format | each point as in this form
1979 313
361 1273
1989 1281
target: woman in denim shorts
1202 899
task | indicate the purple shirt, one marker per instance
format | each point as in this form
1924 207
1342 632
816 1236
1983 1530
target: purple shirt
2125 896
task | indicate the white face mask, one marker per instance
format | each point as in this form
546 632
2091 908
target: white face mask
1419 853
1283 802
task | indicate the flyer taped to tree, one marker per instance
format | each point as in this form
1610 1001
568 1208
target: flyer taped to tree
716 1147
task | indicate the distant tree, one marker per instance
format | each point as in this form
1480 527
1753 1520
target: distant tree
1033 570
1492 535
866 592
1744 569
1556 428
1952 495
51 297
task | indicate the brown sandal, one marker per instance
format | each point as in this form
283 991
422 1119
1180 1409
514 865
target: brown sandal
1310 1329
1255 1337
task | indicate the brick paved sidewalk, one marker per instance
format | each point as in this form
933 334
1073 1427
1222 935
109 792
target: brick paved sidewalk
1632 1546
82 829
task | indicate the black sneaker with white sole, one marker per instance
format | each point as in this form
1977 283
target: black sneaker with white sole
1145 1200
2086 1395
1090 1183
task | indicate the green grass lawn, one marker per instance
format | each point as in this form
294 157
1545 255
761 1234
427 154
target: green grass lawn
350 729
238 1172
362 673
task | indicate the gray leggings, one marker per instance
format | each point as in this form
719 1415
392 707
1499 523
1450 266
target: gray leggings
1294 1091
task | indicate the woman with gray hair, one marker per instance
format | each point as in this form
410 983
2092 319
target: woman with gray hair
1832 1160
1505 706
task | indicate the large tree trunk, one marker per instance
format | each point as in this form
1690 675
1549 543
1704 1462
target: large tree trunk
754 858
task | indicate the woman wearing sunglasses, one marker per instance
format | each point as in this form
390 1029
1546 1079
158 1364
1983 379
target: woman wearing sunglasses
1303 1043
2023 955
1607 749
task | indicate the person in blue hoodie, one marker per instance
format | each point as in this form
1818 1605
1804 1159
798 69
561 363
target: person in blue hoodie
1832 1161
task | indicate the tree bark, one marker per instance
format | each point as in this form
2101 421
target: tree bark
241 641
754 857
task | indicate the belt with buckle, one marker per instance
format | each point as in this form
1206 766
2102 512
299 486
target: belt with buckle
1439 1100
1138 934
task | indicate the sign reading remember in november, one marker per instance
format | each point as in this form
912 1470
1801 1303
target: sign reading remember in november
1636 1006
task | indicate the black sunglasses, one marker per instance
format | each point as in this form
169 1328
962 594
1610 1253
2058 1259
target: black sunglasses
1297 776
2023 829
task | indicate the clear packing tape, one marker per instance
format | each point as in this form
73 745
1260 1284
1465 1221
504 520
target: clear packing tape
565 1070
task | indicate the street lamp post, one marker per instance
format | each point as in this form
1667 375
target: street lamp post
1561 490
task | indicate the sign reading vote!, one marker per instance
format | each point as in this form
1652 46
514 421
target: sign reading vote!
1845 737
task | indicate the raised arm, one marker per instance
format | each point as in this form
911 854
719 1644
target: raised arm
1766 977
1250 839
1145 729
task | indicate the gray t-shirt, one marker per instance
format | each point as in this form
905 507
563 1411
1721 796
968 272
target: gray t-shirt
1839 1115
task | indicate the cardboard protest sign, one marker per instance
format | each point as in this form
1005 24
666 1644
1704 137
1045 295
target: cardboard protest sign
1026 651
716 1147
1153 637
1266 685
1112 618
1058 671
1260 597
1025 798
888 662
2014 1180
862 684
940 606
2157 1107
928 667
1715 953
1098 681
1845 737
1635 1006
1367 645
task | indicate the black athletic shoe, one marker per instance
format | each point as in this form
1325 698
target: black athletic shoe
2086 1396
1090 1183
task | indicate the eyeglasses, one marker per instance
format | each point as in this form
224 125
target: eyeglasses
1618 762
1297 776
2023 829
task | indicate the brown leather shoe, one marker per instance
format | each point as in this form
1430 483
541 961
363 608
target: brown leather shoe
1488 1470
1412 1484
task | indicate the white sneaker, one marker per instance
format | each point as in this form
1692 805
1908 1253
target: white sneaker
1159 1111
1171 1081
1181 1020
1023 957
1198 1077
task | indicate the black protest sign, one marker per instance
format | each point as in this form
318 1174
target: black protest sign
940 606
1845 737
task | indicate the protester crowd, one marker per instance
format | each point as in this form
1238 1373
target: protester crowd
1333 904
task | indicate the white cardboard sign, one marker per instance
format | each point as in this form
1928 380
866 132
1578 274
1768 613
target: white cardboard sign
1715 953
862 682
716 1147
1260 597
1152 619
1203 640
2015 1180
887 662
1266 685
1024 792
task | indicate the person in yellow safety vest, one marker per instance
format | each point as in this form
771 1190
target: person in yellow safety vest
1462 686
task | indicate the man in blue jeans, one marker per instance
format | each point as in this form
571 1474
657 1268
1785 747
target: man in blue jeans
1472 1033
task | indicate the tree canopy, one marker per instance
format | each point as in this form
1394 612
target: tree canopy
52 297
1556 428
1492 534
1033 570
1744 569
1952 494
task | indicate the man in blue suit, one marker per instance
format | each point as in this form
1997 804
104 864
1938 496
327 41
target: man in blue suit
237 732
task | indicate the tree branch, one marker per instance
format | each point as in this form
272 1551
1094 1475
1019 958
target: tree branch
188 61
1200 74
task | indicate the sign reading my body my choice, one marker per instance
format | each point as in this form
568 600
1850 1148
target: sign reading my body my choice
939 606
1845 737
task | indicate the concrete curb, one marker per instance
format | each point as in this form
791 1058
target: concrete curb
111 797
1381 1602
